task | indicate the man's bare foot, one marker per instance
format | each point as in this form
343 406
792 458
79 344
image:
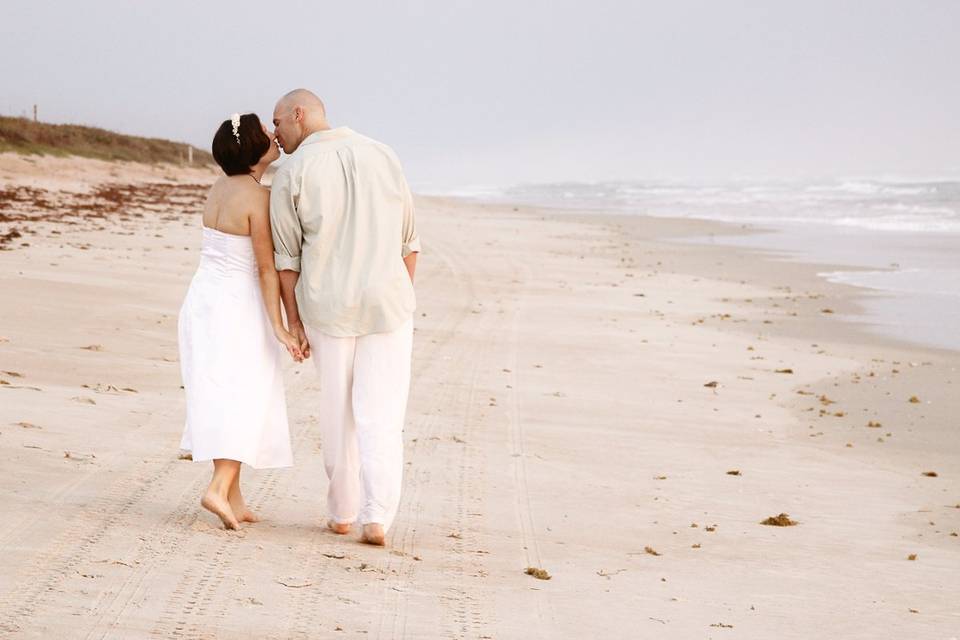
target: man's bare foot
338 527
220 507
373 534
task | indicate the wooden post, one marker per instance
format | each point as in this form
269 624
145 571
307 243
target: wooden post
34 113
189 154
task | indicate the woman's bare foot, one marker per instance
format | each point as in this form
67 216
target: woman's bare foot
246 515
240 510
338 527
373 534
220 507
237 504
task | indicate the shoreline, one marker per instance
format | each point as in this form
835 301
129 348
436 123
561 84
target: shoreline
739 235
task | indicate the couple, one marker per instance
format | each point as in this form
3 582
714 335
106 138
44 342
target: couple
334 241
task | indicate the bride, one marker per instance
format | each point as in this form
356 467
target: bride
230 324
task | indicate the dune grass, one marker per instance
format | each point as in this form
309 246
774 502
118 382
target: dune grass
21 135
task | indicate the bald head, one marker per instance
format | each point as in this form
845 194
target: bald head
303 98
298 114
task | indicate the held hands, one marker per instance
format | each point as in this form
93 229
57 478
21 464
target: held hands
301 335
295 343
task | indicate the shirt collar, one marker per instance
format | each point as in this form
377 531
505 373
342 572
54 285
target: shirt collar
327 134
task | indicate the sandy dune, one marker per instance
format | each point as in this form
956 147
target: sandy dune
582 389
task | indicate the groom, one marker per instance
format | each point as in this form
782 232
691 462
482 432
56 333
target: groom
346 248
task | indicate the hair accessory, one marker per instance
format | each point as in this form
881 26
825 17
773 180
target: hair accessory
235 121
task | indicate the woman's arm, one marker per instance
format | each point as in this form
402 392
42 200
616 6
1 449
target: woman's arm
262 240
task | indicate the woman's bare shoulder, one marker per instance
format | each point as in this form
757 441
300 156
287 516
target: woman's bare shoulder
230 188
260 193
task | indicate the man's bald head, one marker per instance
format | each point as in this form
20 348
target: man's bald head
298 114
304 98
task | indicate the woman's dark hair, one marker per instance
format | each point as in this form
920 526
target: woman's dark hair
236 158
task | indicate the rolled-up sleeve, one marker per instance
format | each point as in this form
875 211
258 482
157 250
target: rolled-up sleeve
285 222
411 239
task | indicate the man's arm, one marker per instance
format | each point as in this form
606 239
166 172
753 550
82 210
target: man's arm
410 247
410 261
288 288
287 240
288 295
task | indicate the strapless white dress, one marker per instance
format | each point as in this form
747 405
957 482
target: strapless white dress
230 360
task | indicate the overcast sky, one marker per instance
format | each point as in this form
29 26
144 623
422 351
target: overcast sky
504 92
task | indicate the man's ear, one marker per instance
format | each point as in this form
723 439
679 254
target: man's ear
298 113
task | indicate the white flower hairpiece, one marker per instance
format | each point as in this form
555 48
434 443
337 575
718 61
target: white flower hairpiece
235 121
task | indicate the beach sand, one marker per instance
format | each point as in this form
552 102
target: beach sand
591 397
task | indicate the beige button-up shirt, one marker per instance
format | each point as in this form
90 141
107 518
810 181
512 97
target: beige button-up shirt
342 215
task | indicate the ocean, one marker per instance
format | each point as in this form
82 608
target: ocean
898 240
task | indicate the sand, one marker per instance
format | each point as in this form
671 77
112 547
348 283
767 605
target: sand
583 389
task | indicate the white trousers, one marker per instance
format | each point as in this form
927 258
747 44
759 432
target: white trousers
364 383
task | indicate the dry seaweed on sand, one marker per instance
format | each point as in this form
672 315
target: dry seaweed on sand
734 472
539 574
84 457
930 474
913 400
780 520
603 573
651 551
293 583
